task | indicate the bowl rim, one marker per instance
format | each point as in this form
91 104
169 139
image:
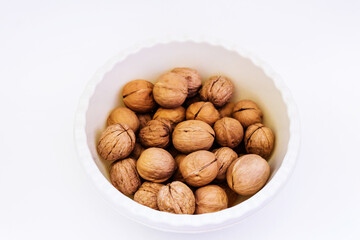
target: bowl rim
186 223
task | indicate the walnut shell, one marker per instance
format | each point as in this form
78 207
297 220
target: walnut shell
193 79
116 142
177 175
138 149
259 140
192 100
124 115
199 168
156 133
177 198
231 195
203 111
193 135
170 90
225 156
247 113
144 118
227 110
228 132
147 194
218 90
138 96
124 177
210 198
156 165
174 115
248 174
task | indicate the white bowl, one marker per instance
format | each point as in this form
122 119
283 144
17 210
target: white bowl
253 80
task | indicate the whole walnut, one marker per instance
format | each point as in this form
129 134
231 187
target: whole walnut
177 175
174 115
124 115
226 110
231 195
247 113
193 79
199 168
193 135
144 118
138 149
124 177
156 165
203 111
116 142
138 96
218 90
170 90
147 194
248 174
225 156
259 140
156 133
177 198
228 132
210 198
192 100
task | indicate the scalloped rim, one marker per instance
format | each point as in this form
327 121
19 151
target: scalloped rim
186 223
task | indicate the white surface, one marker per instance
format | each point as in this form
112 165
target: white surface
48 52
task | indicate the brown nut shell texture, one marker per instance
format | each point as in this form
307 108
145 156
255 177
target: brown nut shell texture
124 115
218 90
147 194
177 198
203 111
173 115
225 156
116 142
144 118
247 113
210 198
124 177
228 132
156 133
193 79
259 140
226 110
138 96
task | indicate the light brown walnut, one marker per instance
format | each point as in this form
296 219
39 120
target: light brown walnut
144 118
156 133
173 115
218 90
226 110
147 194
259 140
228 132
247 113
225 156
124 115
138 96
203 111
210 198
124 177
193 79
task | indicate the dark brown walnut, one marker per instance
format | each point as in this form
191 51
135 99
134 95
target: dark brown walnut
116 142
193 135
156 165
248 174
124 177
156 133
225 156
227 110
173 151
147 194
199 168
170 90
138 149
173 115
247 113
192 100
231 195
138 96
218 90
144 118
210 198
177 175
228 132
259 140
177 198
193 79
203 111
124 115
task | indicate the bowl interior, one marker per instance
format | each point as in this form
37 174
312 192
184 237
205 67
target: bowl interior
250 83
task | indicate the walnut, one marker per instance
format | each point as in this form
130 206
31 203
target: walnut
138 149
228 132
259 140
247 113
116 142
199 168
218 90
124 177
192 100
193 135
248 174
203 111
210 198
124 115
231 195
177 198
174 115
226 110
144 118
177 175
147 194
225 156
138 96
156 133
156 165
170 90
193 79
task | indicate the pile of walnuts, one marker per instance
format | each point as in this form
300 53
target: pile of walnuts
181 147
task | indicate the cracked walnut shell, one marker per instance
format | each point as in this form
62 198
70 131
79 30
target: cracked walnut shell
144 118
225 156
174 115
138 96
226 110
228 132
193 79
218 90
116 142
203 111
156 133
124 177
147 194
259 140
210 198
124 115
247 113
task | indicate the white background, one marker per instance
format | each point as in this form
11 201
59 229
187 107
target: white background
50 49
